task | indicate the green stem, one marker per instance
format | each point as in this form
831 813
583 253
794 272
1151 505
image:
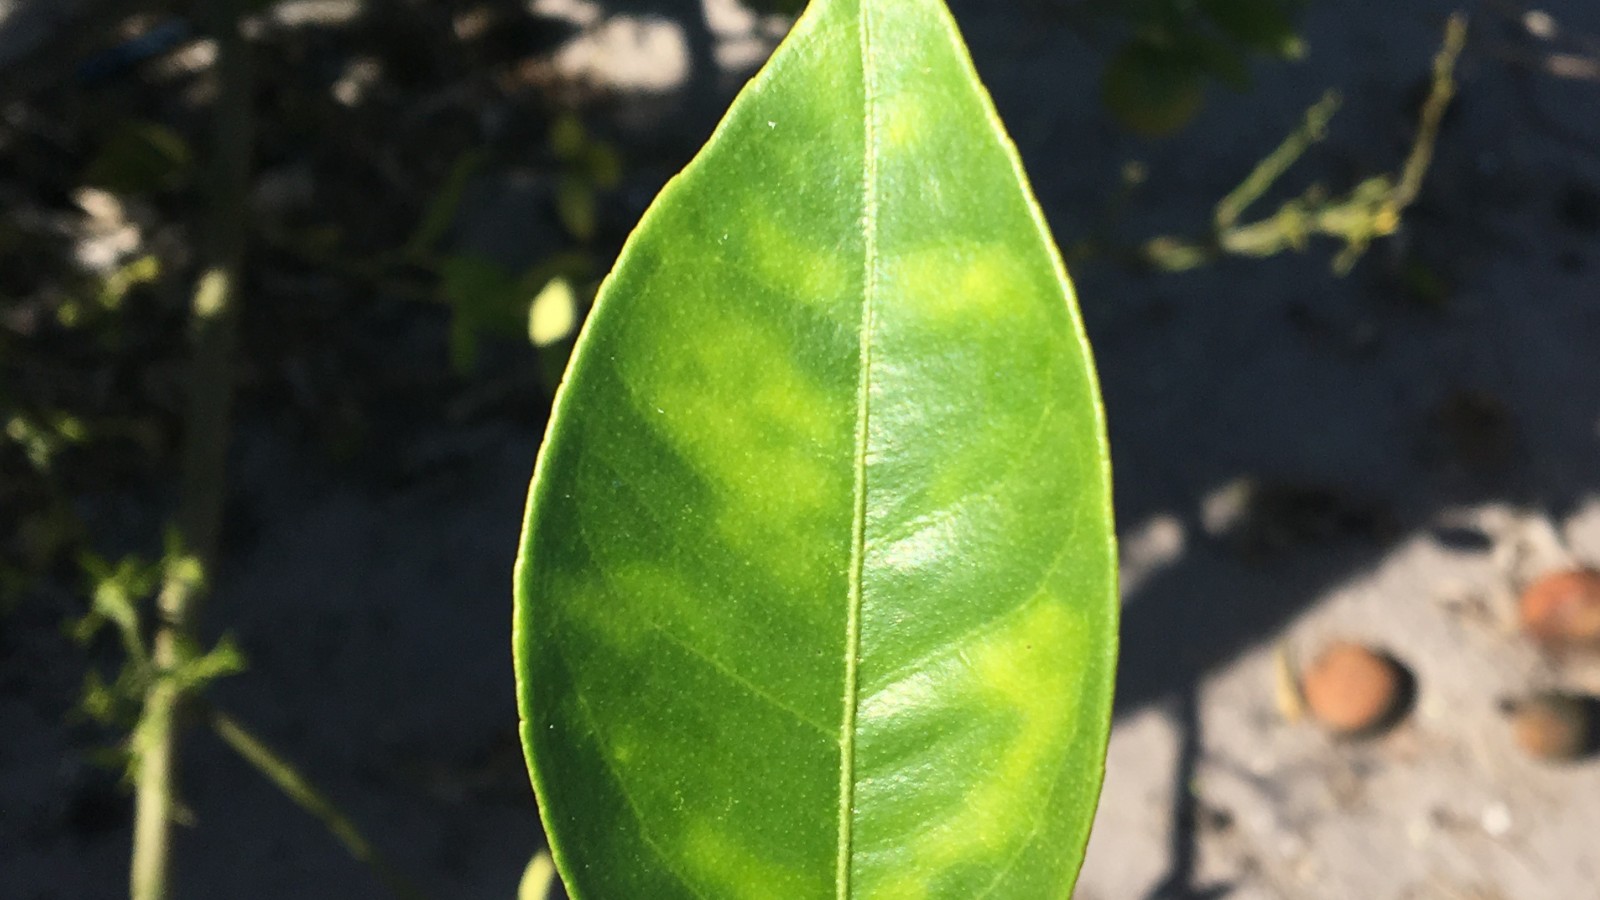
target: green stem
214 317
1270 169
1371 211
1440 94
288 779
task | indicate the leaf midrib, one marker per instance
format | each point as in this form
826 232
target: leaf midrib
869 228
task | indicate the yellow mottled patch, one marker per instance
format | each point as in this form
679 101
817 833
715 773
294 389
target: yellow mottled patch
732 383
902 125
632 600
959 282
823 281
1021 665
904 886
1021 669
625 745
715 857
655 594
608 613
765 436
1018 675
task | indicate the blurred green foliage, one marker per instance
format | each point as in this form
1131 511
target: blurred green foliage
106 296
121 599
139 157
1372 209
1154 84
65 427
589 166
42 524
1168 51
485 298
545 302
42 438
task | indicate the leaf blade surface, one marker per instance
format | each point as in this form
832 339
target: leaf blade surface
816 595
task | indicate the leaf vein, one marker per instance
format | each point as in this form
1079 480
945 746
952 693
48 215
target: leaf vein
735 677
869 228
990 487
622 786
983 629
609 584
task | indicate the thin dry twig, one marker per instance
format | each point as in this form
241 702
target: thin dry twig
1373 209
1312 130
298 788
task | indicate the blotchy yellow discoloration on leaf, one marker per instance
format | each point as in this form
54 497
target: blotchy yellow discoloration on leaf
778 421
905 124
790 263
816 599
1011 676
724 860
962 284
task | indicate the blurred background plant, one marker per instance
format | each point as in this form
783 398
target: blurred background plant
383 118
1165 53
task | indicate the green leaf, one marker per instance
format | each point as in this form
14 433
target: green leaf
1152 90
816 595
446 202
1265 25
575 206
553 313
140 157
1215 57
483 298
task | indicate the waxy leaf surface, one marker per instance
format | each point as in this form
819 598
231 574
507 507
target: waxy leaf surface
817 593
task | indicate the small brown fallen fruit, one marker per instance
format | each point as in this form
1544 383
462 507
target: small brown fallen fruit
1353 690
1552 726
1562 609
